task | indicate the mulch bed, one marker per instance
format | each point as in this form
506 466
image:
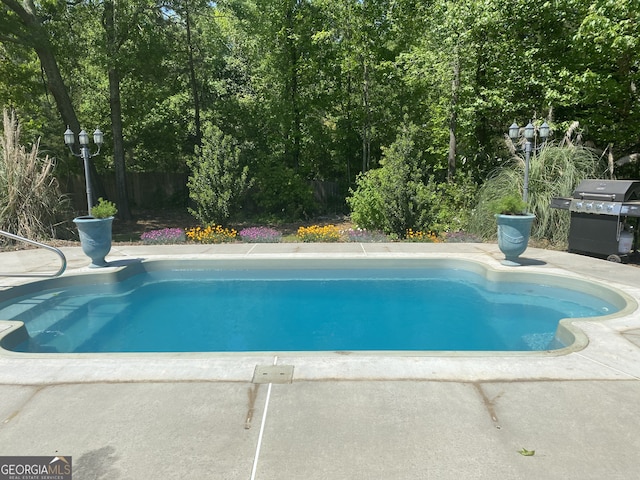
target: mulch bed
129 232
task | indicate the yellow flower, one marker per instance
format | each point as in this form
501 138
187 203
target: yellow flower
211 234
316 233
420 236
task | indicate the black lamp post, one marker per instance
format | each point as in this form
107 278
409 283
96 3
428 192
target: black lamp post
529 133
83 138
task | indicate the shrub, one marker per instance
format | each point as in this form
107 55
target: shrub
30 201
164 236
316 233
211 234
283 193
451 204
366 202
400 195
393 197
260 235
218 182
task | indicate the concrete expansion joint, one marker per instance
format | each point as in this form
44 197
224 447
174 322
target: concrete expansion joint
489 403
18 411
254 468
612 368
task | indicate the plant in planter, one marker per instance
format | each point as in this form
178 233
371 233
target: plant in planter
95 232
514 226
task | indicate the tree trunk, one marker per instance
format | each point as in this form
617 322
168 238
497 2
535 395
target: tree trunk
366 127
39 41
124 212
122 200
56 86
482 130
193 78
453 117
293 88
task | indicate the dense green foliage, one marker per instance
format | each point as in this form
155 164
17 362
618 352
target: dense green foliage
316 90
400 199
282 195
402 194
219 181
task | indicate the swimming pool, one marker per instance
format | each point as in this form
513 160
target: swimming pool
300 305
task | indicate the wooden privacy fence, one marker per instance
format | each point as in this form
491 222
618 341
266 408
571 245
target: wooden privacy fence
160 190
145 190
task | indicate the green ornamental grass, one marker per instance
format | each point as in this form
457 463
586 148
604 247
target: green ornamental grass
554 171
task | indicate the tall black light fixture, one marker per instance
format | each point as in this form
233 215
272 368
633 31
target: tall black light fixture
85 154
529 134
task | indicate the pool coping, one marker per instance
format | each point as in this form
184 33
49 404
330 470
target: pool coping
608 353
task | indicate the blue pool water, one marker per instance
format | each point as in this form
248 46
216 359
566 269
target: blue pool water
232 310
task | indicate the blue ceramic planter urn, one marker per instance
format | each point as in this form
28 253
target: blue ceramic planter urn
513 235
95 238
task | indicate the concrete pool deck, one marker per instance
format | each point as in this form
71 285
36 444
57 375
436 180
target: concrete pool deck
441 416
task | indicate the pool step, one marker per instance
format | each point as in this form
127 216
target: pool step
44 311
83 330
79 319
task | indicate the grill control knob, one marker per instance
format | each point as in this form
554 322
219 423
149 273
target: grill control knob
610 207
579 205
599 206
589 206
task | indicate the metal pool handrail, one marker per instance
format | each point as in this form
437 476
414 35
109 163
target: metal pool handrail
41 245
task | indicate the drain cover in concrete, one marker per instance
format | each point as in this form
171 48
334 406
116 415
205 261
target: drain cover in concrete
273 374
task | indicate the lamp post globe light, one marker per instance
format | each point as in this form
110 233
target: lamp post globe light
85 154
529 133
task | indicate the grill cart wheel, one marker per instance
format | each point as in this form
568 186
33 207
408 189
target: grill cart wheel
614 258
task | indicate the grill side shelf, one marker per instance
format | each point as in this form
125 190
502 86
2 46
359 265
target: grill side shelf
630 209
561 203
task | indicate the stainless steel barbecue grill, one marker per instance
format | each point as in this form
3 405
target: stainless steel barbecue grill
604 217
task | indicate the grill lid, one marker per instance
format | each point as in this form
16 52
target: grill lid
611 190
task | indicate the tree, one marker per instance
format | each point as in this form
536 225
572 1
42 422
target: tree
219 181
114 41
190 17
21 24
608 42
393 198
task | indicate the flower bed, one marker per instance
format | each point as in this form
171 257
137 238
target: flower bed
316 233
313 233
260 235
420 236
212 234
165 236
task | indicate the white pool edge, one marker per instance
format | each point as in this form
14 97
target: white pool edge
602 352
